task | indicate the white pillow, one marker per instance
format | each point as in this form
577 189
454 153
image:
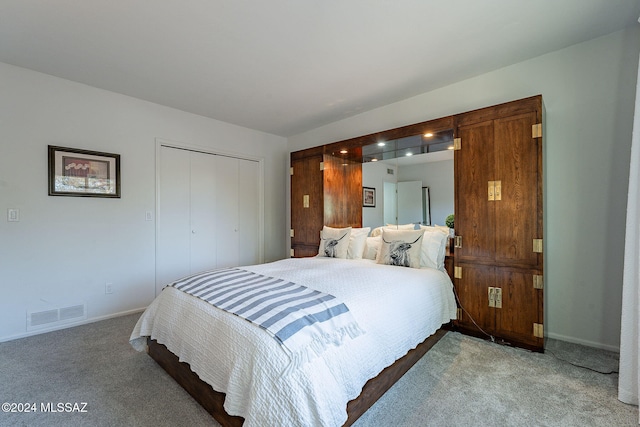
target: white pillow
334 242
377 231
402 226
401 248
442 228
434 247
357 241
372 247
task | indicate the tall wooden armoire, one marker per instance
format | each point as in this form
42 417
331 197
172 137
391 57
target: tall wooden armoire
498 261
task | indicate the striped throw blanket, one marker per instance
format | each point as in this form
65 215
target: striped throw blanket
304 321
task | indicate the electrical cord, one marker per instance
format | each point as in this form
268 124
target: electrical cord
580 366
493 340
455 293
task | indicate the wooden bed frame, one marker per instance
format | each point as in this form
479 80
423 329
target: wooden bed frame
213 401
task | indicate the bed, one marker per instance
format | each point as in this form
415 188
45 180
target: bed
241 374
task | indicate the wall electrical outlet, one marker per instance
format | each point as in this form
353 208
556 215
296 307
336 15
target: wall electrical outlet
108 288
148 216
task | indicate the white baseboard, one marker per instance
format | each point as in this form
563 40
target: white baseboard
583 342
71 325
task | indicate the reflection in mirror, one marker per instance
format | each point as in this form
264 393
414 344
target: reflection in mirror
409 195
400 170
426 206
390 208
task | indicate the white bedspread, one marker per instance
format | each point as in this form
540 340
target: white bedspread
397 307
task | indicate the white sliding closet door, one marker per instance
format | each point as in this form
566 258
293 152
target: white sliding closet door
228 242
208 213
204 200
173 228
238 191
249 212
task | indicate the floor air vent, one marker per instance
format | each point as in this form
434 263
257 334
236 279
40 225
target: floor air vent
53 317
73 312
42 317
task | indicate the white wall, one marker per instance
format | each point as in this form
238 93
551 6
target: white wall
64 249
588 90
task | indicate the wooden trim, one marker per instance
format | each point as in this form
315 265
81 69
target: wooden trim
309 152
213 401
520 106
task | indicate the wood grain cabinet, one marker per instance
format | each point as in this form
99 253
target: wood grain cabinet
497 259
498 265
307 204
326 189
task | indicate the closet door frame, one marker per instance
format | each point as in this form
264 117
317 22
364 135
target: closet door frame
160 142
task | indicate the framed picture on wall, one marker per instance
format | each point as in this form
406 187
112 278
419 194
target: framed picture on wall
84 173
368 197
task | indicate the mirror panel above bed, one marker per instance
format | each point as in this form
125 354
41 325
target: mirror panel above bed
327 181
412 179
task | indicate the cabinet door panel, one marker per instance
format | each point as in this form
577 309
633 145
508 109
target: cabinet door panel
521 306
353 194
475 217
307 221
516 166
342 187
473 292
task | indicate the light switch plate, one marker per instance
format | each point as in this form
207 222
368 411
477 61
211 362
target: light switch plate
13 215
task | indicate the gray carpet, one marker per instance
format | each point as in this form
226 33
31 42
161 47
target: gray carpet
461 381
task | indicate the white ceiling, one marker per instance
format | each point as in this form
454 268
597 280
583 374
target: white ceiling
288 66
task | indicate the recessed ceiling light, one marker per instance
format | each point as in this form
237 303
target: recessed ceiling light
409 154
450 147
374 160
343 151
381 144
428 134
